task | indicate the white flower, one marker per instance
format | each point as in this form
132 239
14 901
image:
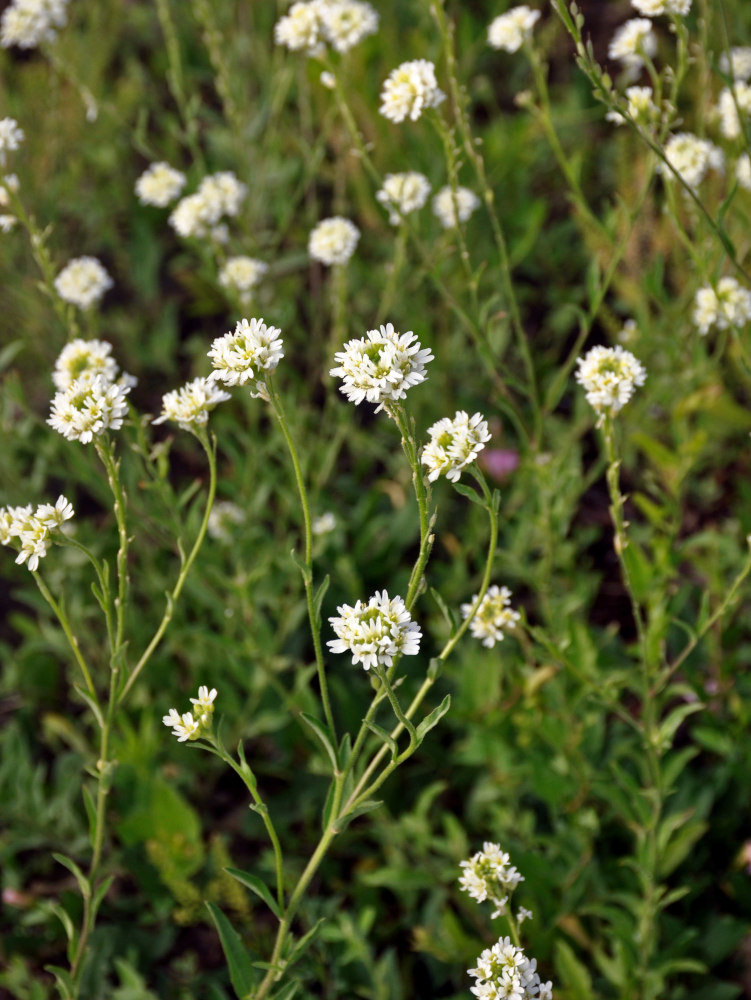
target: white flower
203 705
454 444
493 615
743 171
739 64
28 23
242 355
82 282
728 107
632 41
301 30
375 632
653 8
32 529
333 241
691 157
159 185
199 214
609 375
7 222
381 366
190 406
346 22
84 357
324 524
509 31
11 137
523 914
242 274
727 306
405 192
449 204
488 875
184 726
640 107
409 90
223 518
88 407
504 972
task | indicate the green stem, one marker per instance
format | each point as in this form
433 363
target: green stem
105 452
68 632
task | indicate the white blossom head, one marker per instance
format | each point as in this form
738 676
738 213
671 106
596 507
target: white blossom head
493 618
196 724
224 518
11 137
728 305
454 207
28 23
511 30
381 366
488 875
324 524
190 406
241 274
409 90
84 357
333 240
504 972
639 105
347 22
30 530
731 102
454 444
654 8
403 193
301 28
375 632
743 171
632 41
88 407
739 64
609 375
82 282
691 157
199 214
251 350
160 185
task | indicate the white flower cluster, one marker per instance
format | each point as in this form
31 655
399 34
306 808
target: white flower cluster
454 444
493 618
33 528
739 64
8 184
505 973
28 23
639 105
241 274
200 214
743 171
11 137
403 193
452 207
91 399
691 157
309 26
729 104
253 348
381 366
223 519
324 524
488 875
190 405
193 725
160 185
81 358
727 305
375 632
333 240
511 30
409 90
609 375
654 8
82 282
631 42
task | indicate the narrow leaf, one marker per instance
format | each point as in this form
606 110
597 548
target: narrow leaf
434 718
324 735
365 807
238 959
319 596
83 883
258 887
387 738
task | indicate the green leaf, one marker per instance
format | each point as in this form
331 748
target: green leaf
92 703
300 947
318 598
572 973
258 887
83 883
433 719
238 959
63 979
88 801
470 494
365 807
325 736
287 991
99 894
448 616
670 724
307 573
386 737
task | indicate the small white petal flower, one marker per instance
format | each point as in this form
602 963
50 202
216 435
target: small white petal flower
31 529
324 524
223 519
743 171
494 616
203 705
184 726
84 357
509 31
381 366
333 240
739 64
691 157
301 29
88 407
452 207
190 406
11 137
346 22
160 185
405 192
504 972
654 8
375 632
632 41
409 90
244 354
523 914
639 105
82 282
454 444
28 23
729 104
242 274
609 375
199 214
727 306
488 875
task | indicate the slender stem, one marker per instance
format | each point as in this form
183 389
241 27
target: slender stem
106 454
406 723
68 632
